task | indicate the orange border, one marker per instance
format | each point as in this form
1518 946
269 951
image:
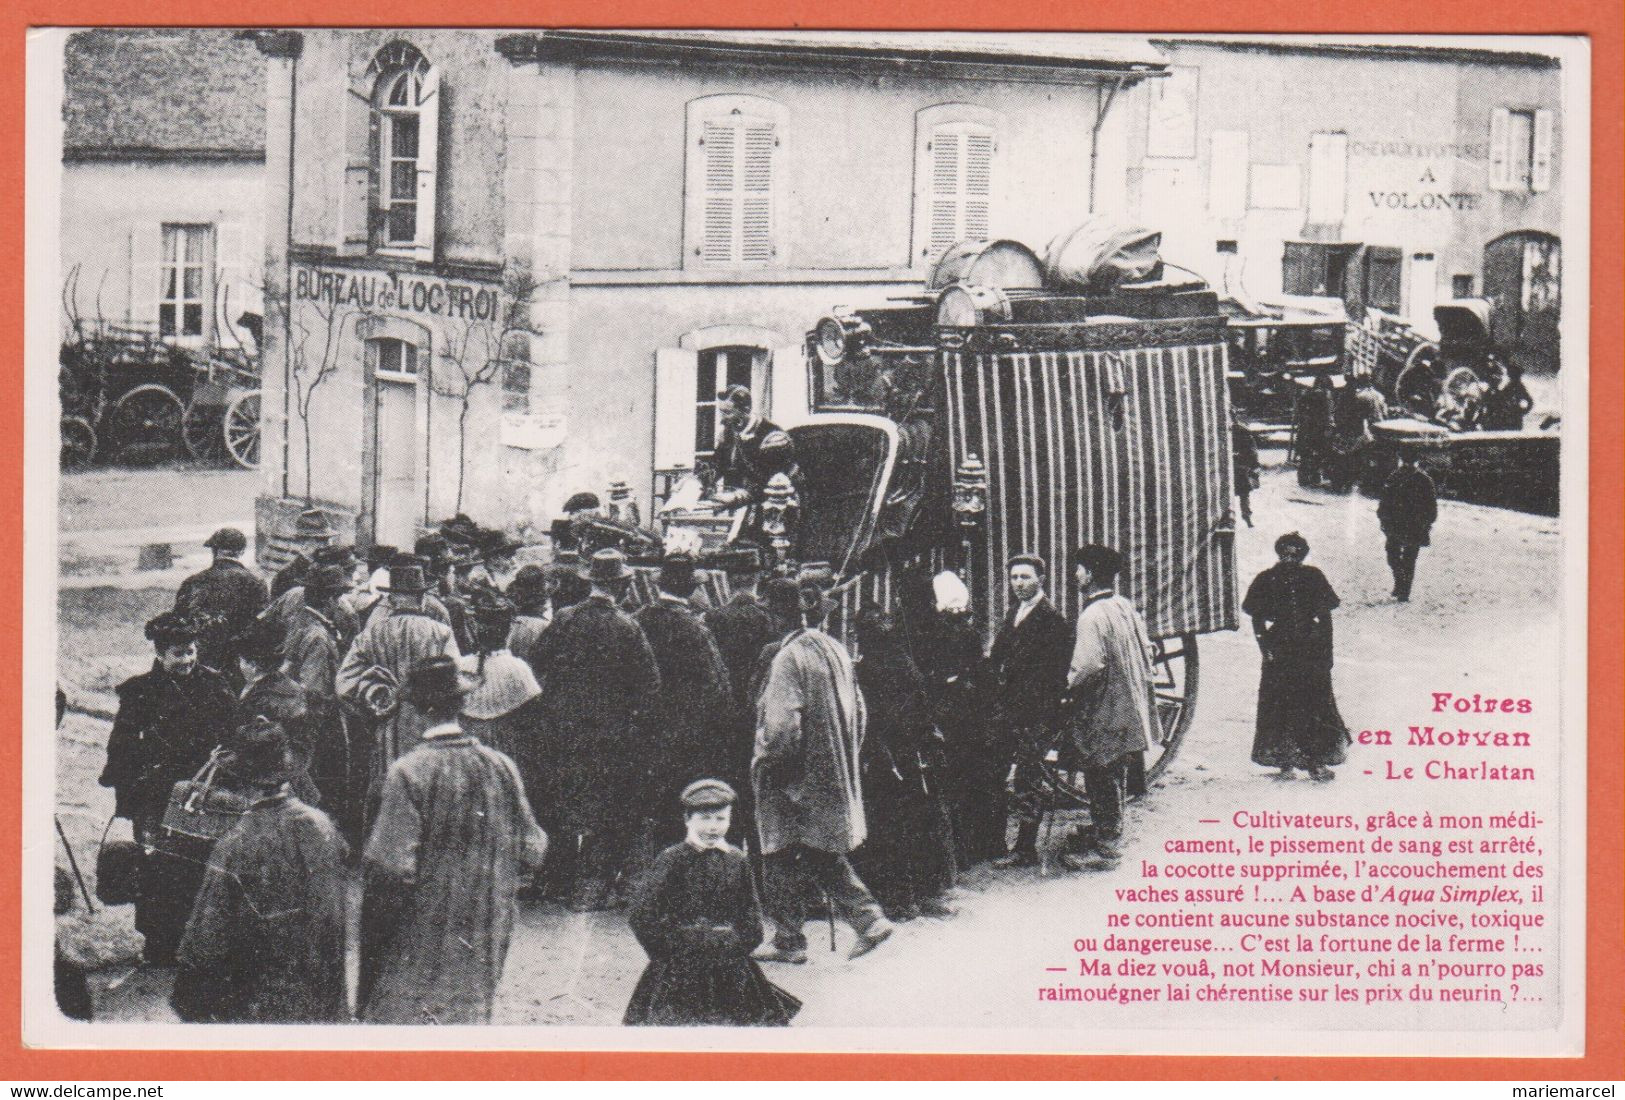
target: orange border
1600 19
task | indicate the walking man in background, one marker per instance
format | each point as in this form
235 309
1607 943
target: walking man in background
1407 510
809 801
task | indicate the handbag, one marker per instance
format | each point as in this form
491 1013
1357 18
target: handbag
118 870
199 811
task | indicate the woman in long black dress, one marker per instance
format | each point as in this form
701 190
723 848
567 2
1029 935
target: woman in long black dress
697 916
1291 606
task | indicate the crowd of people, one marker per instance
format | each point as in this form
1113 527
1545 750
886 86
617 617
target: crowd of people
458 734
461 735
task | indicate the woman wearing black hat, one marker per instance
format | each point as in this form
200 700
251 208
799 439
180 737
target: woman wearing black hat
1291 606
169 719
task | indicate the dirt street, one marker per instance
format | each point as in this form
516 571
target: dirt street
1483 615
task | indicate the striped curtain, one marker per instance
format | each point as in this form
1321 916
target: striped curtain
1127 448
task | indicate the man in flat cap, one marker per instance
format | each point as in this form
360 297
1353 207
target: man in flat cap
169 720
395 639
1112 717
810 724
1028 667
222 599
687 722
599 680
444 862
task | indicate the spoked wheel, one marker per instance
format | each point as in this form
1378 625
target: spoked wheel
1415 388
146 423
1174 674
78 443
242 430
200 431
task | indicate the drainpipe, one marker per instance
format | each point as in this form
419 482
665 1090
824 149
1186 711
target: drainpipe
282 49
1094 134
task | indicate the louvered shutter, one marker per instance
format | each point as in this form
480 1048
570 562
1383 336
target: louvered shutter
1540 169
356 185
676 376
146 248
788 389
428 163
958 199
1500 155
739 168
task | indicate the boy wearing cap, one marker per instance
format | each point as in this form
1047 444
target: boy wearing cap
266 939
697 916
1112 719
169 719
222 599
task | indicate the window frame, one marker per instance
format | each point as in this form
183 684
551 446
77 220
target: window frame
708 110
204 302
928 123
370 130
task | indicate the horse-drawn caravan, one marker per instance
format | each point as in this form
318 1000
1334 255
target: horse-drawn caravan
1020 405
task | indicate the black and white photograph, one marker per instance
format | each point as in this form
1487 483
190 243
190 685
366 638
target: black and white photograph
808 540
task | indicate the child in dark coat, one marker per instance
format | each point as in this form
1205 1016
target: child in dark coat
697 916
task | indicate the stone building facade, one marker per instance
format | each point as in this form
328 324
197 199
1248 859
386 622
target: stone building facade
509 266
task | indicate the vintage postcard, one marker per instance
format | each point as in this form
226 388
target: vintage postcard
570 539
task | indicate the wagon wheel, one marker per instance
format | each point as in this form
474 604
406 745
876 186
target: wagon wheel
1414 387
200 430
242 430
78 443
1174 678
147 419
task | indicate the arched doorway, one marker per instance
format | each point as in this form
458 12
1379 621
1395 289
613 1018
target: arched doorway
1523 281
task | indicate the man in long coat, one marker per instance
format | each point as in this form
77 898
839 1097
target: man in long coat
394 640
266 940
169 720
1407 511
687 722
1028 669
742 627
286 608
221 600
598 678
809 796
1113 715
445 857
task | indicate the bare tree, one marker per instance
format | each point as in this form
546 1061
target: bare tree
476 355
307 371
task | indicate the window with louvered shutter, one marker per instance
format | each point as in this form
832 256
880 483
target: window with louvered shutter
736 170
956 178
